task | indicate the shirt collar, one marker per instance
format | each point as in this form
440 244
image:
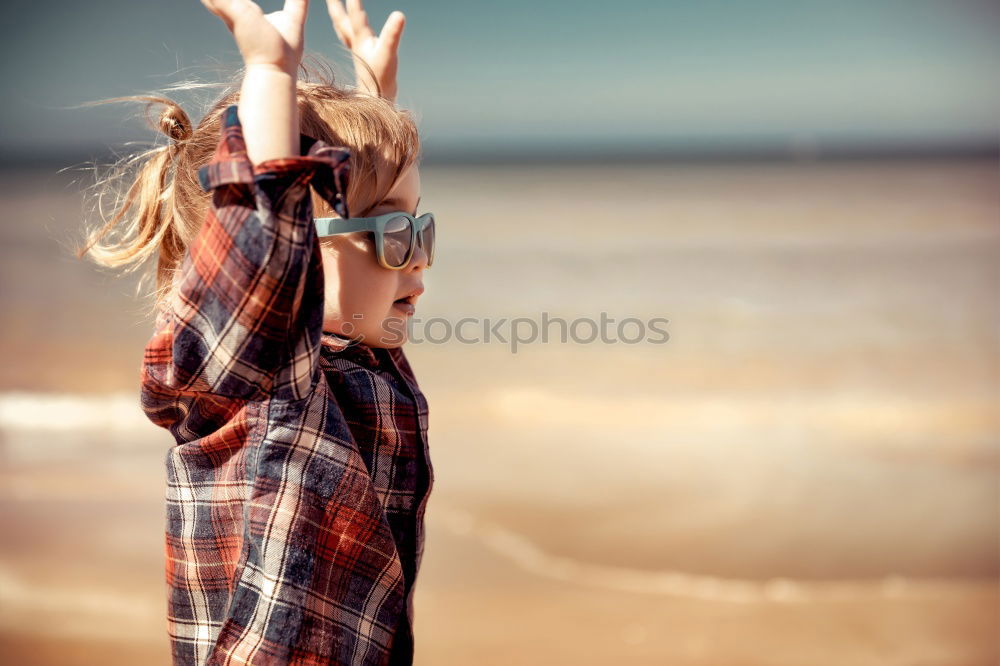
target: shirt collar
342 346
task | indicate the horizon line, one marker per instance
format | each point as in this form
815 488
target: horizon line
593 153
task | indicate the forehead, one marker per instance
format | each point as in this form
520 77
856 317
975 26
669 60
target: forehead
404 195
407 187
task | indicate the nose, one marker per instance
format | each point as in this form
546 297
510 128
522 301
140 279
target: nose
419 259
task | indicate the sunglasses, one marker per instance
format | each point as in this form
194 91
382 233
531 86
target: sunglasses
396 235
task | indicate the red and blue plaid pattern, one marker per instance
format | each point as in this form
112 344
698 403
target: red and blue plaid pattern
297 487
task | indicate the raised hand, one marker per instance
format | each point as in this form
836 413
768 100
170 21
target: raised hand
380 53
271 46
274 39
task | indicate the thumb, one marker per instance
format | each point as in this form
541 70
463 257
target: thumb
226 10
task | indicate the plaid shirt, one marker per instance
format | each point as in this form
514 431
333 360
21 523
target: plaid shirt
297 486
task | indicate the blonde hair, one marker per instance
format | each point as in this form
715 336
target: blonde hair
159 205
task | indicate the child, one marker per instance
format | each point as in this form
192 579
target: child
297 486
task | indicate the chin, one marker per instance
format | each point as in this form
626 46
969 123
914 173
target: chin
392 333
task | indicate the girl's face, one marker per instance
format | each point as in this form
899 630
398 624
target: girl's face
361 295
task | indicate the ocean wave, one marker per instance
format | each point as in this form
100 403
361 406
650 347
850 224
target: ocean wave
72 412
522 552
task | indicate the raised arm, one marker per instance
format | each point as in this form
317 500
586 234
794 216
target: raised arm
271 46
246 317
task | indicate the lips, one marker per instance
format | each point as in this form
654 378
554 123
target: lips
407 303
404 306
411 295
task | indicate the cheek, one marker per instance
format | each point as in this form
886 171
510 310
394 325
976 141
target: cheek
356 284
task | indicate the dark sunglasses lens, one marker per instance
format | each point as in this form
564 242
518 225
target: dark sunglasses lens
397 240
428 239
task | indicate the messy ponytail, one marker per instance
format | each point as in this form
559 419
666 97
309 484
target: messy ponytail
158 204
143 219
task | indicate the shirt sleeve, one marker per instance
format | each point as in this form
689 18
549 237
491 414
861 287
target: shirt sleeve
245 320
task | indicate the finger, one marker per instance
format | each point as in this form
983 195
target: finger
214 7
230 10
296 11
359 20
340 20
392 31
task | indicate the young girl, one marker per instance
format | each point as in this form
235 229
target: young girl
297 486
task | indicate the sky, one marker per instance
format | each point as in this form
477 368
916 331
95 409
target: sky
553 75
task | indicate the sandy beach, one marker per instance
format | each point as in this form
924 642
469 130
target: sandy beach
807 472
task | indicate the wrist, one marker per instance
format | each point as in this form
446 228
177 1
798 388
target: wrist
268 111
389 94
272 69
